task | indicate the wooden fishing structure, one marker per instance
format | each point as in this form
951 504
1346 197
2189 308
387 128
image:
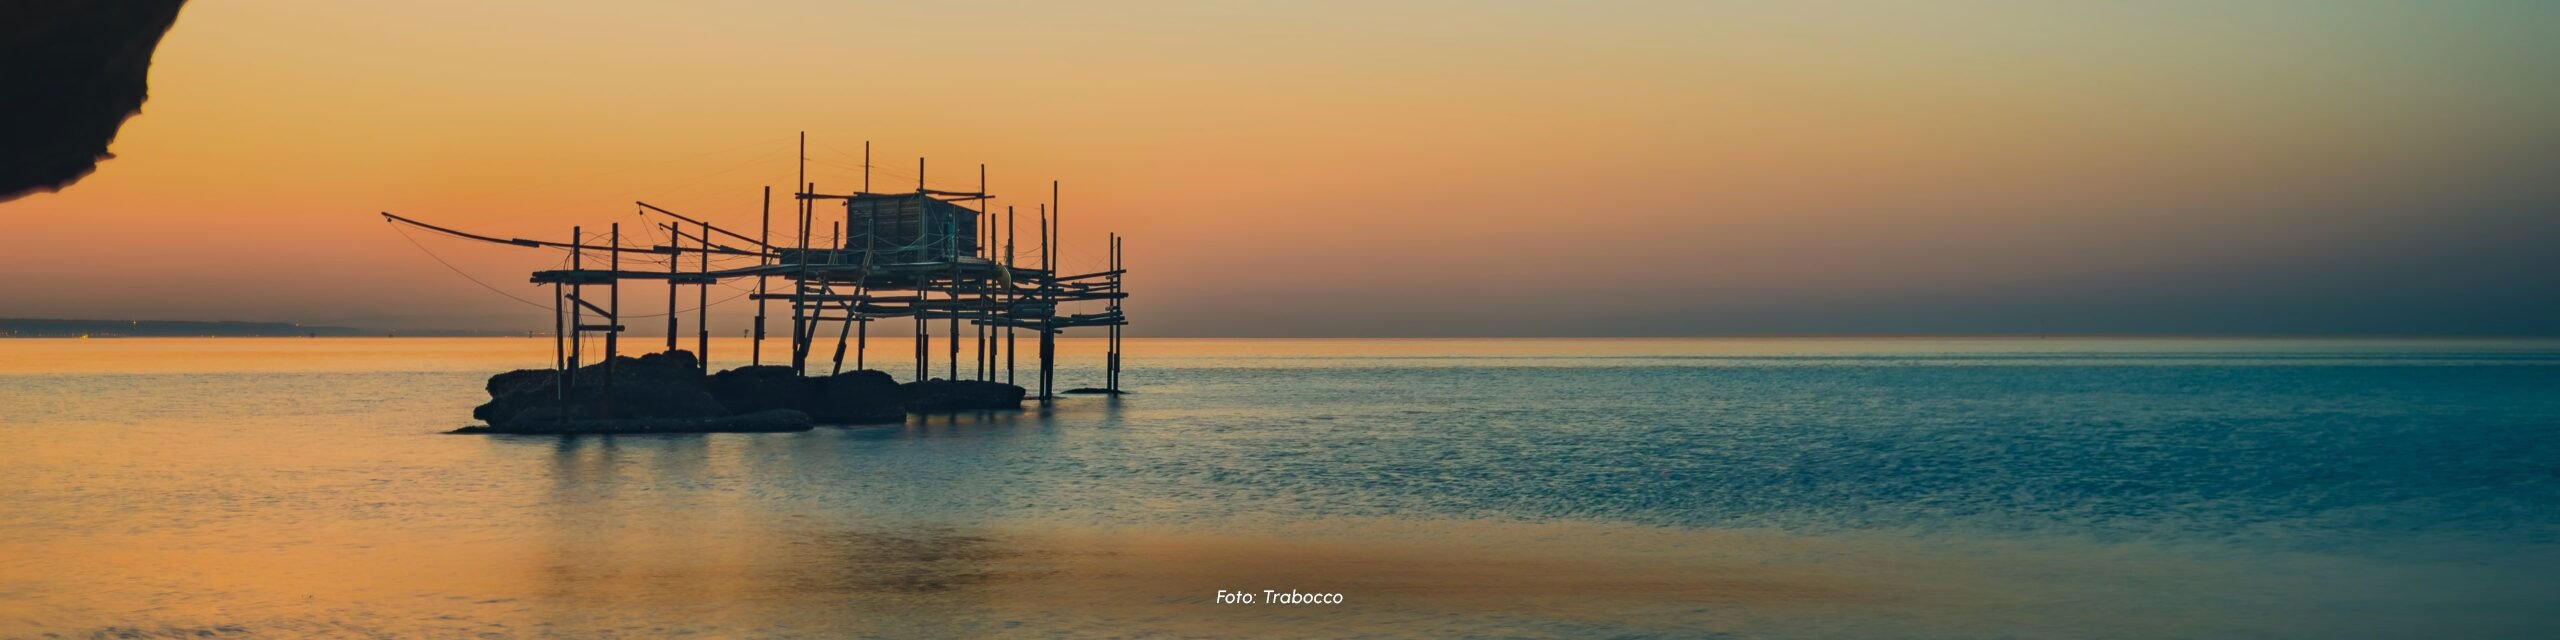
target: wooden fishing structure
935 256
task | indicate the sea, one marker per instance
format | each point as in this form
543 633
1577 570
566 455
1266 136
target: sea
1609 488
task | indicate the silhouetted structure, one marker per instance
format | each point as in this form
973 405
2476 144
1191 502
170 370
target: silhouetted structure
918 254
70 73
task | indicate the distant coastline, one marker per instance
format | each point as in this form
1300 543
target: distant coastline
75 328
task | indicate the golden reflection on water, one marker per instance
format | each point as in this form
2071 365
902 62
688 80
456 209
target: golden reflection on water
152 504
890 353
739 577
162 501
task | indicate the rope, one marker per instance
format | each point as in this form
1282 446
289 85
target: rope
404 234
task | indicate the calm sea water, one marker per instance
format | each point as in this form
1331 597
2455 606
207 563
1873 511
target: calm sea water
1672 488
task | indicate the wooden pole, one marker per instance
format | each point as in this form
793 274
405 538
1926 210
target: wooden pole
1049 312
977 229
800 285
577 312
1109 240
702 304
1119 319
763 237
870 251
1058 246
835 248
1111 363
924 339
613 320
577 319
559 345
1010 297
803 326
1114 311
613 288
870 244
843 331
924 331
803 197
674 238
951 254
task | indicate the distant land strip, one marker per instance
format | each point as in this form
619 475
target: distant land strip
56 328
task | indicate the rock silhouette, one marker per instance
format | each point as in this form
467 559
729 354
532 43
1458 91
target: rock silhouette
939 395
667 393
541 420
853 397
70 73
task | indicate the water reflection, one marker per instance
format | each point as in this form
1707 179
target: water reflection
1542 488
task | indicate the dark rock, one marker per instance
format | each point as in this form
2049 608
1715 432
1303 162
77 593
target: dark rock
761 387
859 397
70 73
519 381
545 420
516 390
678 359
657 386
667 393
939 395
852 397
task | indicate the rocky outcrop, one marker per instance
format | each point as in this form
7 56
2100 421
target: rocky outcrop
939 395
667 393
70 73
857 397
652 387
848 398
543 420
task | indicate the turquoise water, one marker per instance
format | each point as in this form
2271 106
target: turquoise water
1757 488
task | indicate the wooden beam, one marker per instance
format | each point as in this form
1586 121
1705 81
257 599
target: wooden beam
707 225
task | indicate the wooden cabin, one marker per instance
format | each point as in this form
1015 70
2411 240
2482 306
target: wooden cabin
908 228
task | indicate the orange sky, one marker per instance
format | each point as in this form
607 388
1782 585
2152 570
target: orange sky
1346 168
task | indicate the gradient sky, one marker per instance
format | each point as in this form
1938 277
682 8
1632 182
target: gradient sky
1366 168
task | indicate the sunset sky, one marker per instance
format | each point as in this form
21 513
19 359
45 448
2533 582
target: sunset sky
1391 169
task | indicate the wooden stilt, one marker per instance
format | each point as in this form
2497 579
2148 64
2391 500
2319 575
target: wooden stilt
870 248
1111 359
613 317
1108 240
1048 300
978 227
1011 298
804 324
923 340
924 331
559 340
763 237
702 304
953 258
800 284
673 239
1058 247
835 250
577 319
